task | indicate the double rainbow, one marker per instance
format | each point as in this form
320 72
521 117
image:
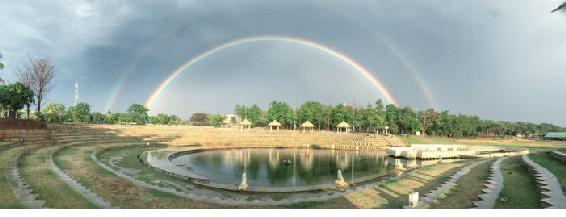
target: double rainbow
155 95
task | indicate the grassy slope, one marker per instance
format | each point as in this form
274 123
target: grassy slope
519 187
117 190
555 166
36 171
467 190
7 198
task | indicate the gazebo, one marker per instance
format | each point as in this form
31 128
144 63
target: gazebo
245 124
227 122
274 125
343 127
307 126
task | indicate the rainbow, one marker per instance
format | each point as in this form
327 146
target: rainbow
301 41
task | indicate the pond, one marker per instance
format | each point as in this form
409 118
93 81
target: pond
280 167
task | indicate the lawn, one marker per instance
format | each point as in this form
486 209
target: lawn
519 188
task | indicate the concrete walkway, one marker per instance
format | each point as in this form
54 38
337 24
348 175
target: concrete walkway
444 188
493 187
558 155
76 186
551 192
20 188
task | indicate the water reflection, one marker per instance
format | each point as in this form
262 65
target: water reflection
277 167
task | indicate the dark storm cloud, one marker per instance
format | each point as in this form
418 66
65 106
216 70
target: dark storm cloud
497 59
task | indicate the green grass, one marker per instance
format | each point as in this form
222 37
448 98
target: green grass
7 198
36 171
555 166
427 140
519 188
467 190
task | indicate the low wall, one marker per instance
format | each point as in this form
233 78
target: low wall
38 136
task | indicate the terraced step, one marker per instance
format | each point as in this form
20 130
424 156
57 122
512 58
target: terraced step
558 155
493 187
75 185
20 188
551 192
439 192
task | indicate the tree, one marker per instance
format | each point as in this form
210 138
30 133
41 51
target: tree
374 116
173 119
1 64
199 119
14 97
1 68
341 113
310 111
98 117
407 120
282 112
54 112
38 75
79 113
138 113
561 7
391 118
252 113
216 119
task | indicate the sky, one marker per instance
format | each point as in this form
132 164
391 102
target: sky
501 60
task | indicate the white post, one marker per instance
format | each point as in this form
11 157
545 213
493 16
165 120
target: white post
414 199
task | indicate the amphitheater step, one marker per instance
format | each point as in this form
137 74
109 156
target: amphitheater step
444 188
551 190
75 185
493 187
20 188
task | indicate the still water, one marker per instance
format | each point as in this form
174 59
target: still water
287 167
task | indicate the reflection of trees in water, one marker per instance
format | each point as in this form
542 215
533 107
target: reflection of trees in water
159 155
307 166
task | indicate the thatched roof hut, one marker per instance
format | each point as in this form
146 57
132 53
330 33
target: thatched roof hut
307 126
245 123
274 125
343 127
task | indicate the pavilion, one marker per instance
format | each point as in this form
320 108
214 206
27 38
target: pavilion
274 125
343 127
245 124
307 126
227 122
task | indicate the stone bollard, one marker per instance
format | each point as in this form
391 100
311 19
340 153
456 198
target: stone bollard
414 199
244 184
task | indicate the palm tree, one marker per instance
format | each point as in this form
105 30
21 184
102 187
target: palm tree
561 7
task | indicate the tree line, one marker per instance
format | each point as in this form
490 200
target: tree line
135 114
377 116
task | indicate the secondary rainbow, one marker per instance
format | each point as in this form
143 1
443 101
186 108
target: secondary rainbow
305 42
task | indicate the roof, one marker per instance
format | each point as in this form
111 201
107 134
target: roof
560 135
227 120
274 123
343 125
307 124
245 122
